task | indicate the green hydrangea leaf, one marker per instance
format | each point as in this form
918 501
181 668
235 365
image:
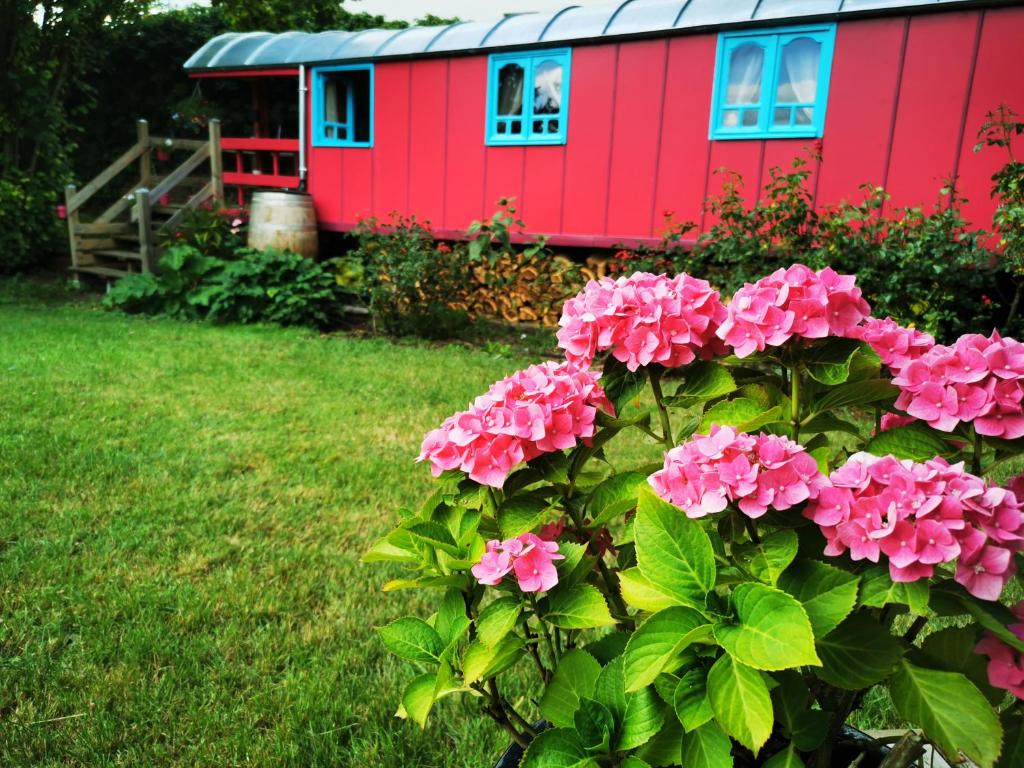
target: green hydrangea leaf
772 632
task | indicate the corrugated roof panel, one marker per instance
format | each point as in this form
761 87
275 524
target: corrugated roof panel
786 9
582 22
316 47
709 13
521 29
874 5
641 16
275 49
415 40
463 37
234 52
201 58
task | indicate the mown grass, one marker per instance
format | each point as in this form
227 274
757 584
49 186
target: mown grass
182 512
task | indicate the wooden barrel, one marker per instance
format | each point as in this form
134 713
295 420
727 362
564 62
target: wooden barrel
283 220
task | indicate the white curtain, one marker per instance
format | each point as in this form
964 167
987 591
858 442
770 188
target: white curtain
745 67
510 90
547 88
798 75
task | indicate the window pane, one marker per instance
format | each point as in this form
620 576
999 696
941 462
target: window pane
547 88
552 126
335 99
749 118
510 90
781 116
745 66
730 118
798 72
517 127
804 115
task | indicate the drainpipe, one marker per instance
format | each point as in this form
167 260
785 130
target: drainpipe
302 127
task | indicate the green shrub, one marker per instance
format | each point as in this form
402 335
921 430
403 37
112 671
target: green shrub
252 287
924 268
411 279
28 219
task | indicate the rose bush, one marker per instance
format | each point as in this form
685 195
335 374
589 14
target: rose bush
732 601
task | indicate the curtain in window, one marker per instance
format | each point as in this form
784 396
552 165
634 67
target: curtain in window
510 90
547 88
745 67
798 73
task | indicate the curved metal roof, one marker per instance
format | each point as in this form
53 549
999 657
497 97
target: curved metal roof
591 23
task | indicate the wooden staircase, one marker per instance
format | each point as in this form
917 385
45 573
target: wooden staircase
124 237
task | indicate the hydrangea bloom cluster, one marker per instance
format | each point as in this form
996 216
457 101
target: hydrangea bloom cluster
541 409
977 379
895 344
708 472
1005 664
792 302
894 420
920 515
529 556
643 319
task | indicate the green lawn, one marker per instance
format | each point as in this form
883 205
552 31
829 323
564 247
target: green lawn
182 512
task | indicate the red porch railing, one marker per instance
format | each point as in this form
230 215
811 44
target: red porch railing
260 163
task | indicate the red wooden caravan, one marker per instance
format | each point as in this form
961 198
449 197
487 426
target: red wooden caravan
599 119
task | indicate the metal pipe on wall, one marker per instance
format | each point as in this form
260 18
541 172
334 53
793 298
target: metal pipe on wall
302 127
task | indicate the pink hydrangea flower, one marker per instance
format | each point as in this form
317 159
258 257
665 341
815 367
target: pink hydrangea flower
1005 664
792 302
643 319
920 515
977 380
708 472
894 344
894 420
541 409
529 556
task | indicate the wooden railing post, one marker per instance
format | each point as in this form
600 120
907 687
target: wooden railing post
216 163
72 217
147 248
145 161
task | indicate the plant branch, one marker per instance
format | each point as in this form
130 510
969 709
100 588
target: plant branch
496 712
659 400
904 752
794 401
976 454
492 687
531 644
544 631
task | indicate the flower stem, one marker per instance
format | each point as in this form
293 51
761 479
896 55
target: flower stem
659 400
976 455
794 401
544 631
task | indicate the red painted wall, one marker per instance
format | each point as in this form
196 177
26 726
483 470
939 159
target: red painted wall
907 97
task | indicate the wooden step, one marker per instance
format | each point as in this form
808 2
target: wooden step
119 254
102 271
131 236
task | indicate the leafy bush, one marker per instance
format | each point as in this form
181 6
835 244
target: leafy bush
210 231
28 219
419 286
731 597
410 278
254 286
921 267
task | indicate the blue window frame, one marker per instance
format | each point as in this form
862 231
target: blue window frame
343 106
528 97
772 84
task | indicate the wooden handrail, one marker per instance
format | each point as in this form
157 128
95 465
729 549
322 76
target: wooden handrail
192 203
256 145
171 143
101 180
178 175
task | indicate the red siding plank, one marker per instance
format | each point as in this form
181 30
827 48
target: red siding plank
541 204
637 120
504 177
589 139
357 183
324 182
932 93
391 139
427 127
685 148
995 83
859 118
741 156
464 164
